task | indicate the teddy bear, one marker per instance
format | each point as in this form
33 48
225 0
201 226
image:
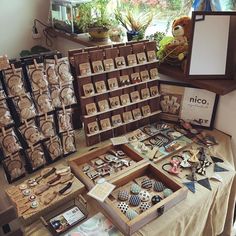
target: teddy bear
175 50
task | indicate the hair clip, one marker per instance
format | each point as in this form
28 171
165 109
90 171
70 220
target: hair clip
172 167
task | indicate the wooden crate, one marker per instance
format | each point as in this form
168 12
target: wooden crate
128 227
17 198
79 162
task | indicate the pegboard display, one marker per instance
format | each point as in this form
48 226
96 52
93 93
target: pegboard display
35 104
117 88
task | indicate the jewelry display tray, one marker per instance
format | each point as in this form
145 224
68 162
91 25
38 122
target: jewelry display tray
15 196
78 163
95 54
128 227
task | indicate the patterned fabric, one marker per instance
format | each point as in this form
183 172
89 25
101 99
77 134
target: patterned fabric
156 199
144 196
158 186
167 192
146 183
123 195
135 189
134 200
123 206
131 214
207 5
144 206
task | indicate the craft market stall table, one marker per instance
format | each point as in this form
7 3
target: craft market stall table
204 212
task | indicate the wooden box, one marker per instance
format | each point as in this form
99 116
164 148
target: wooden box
21 202
77 164
128 227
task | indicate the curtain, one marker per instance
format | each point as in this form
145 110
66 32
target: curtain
207 5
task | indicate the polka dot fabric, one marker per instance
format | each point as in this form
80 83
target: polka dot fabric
123 206
144 206
144 196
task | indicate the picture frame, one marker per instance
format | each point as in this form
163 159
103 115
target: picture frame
183 101
208 27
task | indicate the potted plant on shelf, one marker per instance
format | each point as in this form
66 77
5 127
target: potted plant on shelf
135 24
95 19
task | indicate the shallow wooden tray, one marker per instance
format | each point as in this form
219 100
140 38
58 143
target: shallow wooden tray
77 163
128 227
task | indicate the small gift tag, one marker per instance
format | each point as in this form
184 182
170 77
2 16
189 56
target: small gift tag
151 55
91 109
88 89
137 113
85 69
124 80
141 57
116 120
97 66
114 102
145 93
146 110
101 191
120 62
132 60
93 127
103 105
100 87
109 64
154 73
125 100
127 116
112 83
144 75
135 78
105 123
135 96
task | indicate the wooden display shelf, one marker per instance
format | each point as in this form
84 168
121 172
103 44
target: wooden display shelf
137 174
120 88
117 69
126 123
123 106
90 157
19 200
220 87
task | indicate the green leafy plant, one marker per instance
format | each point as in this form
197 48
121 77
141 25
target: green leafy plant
134 22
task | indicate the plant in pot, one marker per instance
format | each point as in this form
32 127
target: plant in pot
135 23
95 19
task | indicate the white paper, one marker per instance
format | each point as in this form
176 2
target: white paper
119 140
197 105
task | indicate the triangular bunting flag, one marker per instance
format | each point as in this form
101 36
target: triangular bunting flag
216 159
205 183
190 186
218 168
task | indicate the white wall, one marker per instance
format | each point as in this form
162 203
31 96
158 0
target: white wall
16 21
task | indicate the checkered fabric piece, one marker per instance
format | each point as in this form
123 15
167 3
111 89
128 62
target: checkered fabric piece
134 200
123 195
131 214
135 189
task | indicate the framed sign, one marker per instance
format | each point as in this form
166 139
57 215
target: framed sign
197 106
212 48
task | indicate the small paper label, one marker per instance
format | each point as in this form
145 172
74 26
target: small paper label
101 191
